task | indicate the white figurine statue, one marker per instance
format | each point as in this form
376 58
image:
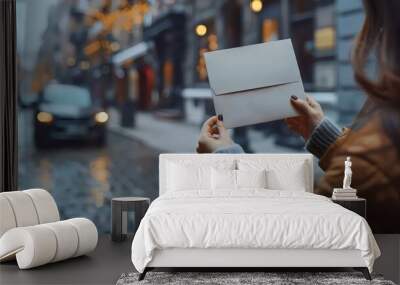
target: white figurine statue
347 174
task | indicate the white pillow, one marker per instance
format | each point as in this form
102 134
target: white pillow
188 177
251 178
223 179
227 179
294 181
193 174
282 174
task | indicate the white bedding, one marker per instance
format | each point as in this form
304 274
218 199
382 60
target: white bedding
250 219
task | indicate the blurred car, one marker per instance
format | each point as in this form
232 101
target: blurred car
68 112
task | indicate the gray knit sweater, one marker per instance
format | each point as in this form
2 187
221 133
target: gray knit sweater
321 138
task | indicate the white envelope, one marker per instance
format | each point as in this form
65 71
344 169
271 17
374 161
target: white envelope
253 84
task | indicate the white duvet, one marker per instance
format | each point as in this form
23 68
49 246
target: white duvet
250 219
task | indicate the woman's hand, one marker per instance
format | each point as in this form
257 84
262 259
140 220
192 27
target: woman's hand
213 135
311 115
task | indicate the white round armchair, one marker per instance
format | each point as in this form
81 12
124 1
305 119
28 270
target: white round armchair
31 230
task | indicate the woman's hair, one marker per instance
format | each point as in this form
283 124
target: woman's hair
380 34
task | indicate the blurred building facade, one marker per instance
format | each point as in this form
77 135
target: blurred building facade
149 54
350 16
322 33
31 24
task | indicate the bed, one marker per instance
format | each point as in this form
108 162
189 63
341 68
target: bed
246 211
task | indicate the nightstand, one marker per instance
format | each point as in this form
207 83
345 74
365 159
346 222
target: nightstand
119 215
357 205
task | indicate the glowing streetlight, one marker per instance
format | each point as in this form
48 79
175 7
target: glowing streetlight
201 30
101 117
256 5
44 117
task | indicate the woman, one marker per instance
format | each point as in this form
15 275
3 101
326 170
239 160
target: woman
373 140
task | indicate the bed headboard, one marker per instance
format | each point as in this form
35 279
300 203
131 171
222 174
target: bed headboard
166 157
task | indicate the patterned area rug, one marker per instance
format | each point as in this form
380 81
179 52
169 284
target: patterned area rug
242 278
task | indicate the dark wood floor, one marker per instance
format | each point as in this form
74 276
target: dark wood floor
102 266
110 259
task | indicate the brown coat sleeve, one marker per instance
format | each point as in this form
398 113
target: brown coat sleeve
368 149
376 172
332 162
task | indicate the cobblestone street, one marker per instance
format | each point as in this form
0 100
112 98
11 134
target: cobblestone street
83 178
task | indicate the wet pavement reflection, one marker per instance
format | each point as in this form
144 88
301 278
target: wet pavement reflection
83 178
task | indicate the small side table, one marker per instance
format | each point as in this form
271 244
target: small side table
119 214
357 205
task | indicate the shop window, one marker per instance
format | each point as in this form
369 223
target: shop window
302 39
207 41
325 75
325 32
325 47
212 42
314 39
168 76
324 39
201 66
302 6
270 18
270 30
